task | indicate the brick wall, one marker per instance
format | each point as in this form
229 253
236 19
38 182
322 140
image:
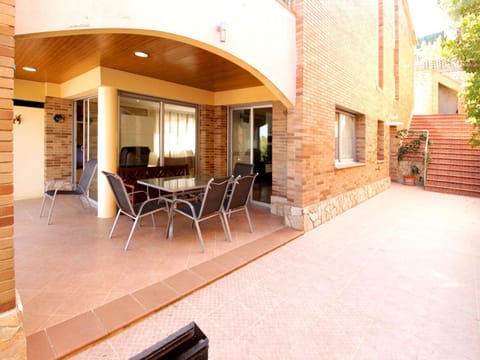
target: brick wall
338 67
212 157
7 52
58 139
279 149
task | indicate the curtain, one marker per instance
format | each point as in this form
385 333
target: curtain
179 134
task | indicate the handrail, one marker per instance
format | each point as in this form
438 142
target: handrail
425 153
425 159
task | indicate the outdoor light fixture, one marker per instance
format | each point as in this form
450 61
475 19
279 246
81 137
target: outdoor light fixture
141 54
222 31
28 68
59 118
17 119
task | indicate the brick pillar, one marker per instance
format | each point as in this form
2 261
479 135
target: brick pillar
213 140
12 334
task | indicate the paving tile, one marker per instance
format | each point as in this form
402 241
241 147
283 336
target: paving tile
39 348
75 333
155 296
350 289
209 270
230 261
119 313
184 282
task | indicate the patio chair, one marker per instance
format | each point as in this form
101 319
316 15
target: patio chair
210 206
242 169
240 196
56 188
137 211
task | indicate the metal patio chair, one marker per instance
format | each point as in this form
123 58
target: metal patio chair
57 188
136 211
242 169
210 206
240 196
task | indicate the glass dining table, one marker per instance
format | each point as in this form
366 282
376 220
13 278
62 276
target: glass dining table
175 186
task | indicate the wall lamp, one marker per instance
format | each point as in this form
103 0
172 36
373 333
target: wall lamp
222 31
17 119
59 118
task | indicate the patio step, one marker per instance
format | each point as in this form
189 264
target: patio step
455 166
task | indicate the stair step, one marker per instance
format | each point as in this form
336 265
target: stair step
453 178
447 157
454 147
454 167
450 190
455 152
465 171
454 183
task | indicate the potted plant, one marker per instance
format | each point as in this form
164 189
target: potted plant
410 179
411 143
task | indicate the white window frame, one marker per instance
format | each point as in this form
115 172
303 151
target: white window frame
339 145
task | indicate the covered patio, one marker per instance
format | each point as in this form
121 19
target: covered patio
71 267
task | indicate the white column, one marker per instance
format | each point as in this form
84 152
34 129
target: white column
107 147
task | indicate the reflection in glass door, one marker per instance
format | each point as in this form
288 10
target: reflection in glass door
251 141
86 130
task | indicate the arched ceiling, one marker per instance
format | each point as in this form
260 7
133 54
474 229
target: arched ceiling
61 58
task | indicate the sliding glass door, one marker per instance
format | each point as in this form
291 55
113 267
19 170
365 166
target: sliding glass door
251 142
86 136
168 130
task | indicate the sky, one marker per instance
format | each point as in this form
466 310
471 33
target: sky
427 17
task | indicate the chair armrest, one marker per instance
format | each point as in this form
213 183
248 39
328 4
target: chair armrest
153 200
130 188
58 185
183 202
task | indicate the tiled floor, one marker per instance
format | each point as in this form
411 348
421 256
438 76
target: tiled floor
69 269
397 277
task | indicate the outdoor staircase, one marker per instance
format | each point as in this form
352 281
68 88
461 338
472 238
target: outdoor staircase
454 167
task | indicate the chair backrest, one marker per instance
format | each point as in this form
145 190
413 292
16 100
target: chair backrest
242 169
119 192
242 188
134 156
214 196
87 175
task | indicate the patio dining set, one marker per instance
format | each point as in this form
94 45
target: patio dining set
198 198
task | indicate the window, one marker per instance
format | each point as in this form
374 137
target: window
167 129
380 140
345 140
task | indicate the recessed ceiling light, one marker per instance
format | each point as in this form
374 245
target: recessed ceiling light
28 68
141 54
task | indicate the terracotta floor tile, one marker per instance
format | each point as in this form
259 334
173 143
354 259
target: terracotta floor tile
155 296
39 347
209 270
350 289
184 282
119 313
75 333
229 260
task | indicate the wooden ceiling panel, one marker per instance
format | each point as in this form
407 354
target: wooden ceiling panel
58 59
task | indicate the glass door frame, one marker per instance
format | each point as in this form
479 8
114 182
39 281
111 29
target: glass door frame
86 138
251 108
162 102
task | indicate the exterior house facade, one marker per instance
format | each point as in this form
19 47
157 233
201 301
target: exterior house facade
310 92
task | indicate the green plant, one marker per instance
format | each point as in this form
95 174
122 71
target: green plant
414 170
410 145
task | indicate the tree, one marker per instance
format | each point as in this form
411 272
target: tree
465 48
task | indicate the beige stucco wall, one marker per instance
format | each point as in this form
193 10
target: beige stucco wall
432 88
28 153
244 44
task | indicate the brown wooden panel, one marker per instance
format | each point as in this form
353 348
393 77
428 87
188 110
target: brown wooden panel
58 59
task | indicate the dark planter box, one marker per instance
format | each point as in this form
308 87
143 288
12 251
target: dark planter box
187 343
